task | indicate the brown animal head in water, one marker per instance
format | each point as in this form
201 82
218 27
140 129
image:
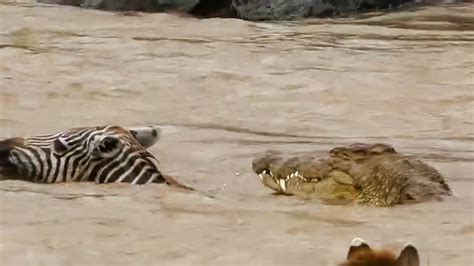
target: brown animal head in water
360 254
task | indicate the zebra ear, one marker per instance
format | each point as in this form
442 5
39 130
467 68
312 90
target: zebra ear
357 245
60 145
146 136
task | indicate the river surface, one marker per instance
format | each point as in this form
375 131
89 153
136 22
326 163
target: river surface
224 90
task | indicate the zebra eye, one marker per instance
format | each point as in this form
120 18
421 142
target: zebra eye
108 147
108 144
60 146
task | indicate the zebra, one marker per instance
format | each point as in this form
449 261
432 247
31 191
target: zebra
100 154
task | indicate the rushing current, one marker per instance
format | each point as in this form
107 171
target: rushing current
224 90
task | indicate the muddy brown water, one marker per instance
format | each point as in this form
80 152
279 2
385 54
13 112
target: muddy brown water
224 90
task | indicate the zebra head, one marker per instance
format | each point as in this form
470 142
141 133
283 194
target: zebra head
101 154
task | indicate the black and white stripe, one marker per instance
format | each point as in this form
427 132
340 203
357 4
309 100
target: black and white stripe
98 154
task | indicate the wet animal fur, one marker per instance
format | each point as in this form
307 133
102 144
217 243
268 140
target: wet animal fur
360 254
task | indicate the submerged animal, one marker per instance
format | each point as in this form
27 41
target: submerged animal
373 174
102 154
360 254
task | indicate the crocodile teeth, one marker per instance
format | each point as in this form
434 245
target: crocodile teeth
292 175
287 178
297 173
283 184
261 176
275 179
271 174
264 172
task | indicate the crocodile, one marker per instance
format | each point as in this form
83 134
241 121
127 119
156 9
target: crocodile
371 174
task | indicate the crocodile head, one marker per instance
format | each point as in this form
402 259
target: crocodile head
306 175
374 174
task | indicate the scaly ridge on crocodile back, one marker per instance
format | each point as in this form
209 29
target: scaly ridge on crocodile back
373 174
